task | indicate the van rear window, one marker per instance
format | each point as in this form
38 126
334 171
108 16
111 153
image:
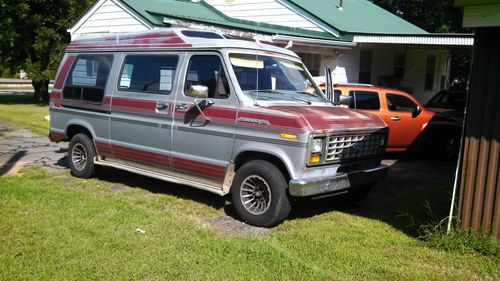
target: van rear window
88 77
148 74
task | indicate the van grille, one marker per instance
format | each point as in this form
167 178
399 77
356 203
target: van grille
348 147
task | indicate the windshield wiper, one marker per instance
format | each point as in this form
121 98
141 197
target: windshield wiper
266 91
302 100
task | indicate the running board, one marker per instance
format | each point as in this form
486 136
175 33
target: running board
163 177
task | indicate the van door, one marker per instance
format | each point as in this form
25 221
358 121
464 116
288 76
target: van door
204 128
141 111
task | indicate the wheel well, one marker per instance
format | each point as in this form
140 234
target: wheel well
76 129
247 156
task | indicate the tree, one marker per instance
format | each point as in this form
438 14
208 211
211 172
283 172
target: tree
431 15
33 35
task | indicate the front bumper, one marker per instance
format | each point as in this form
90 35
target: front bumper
327 184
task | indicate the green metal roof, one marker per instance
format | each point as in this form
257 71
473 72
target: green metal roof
357 16
155 10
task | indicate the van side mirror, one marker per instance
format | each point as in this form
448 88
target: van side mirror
416 112
198 91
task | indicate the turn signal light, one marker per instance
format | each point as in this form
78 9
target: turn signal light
288 136
315 158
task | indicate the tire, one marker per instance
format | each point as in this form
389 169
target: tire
264 184
81 153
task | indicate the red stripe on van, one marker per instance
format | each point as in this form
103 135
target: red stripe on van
142 156
199 168
55 95
57 137
64 72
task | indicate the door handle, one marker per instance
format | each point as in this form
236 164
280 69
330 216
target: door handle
395 118
181 106
161 105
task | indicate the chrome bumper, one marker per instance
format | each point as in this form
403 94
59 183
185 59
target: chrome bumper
320 185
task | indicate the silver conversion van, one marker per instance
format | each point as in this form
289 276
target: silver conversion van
231 117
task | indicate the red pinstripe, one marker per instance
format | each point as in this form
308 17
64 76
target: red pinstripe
64 72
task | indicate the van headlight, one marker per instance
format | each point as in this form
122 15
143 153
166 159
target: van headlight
317 146
316 151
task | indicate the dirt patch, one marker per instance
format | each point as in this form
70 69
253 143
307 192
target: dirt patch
229 226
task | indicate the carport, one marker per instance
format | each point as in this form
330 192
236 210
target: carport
477 182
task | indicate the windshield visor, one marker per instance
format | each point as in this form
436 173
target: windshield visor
272 79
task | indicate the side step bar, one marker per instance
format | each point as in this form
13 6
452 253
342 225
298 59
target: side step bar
173 179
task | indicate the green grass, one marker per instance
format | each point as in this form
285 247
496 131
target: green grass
57 227
25 112
27 88
54 226
464 241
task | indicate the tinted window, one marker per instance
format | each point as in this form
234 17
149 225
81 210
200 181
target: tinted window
148 74
201 34
207 71
400 103
364 100
87 79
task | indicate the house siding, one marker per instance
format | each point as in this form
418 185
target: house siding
268 11
108 18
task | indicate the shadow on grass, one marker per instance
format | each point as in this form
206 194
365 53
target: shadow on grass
416 192
19 97
152 185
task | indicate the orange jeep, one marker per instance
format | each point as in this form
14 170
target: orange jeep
405 116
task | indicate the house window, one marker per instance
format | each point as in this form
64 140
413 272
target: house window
399 66
365 66
312 62
429 72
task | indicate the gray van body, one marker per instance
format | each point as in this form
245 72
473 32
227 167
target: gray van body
175 137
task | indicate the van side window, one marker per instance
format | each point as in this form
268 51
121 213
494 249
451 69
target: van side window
364 100
400 103
148 74
207 70
87 79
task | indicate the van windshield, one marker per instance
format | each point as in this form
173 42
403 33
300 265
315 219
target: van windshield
272 79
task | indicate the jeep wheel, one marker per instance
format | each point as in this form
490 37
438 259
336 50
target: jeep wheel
81 156
259 194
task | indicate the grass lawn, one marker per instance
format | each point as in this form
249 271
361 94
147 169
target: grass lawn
25 112
54 226
57 227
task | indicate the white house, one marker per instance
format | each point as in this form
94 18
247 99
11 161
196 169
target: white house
360 41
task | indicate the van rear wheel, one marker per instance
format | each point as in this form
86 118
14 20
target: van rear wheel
259 194
81 156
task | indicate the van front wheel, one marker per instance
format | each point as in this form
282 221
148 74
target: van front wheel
259 194
81 156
